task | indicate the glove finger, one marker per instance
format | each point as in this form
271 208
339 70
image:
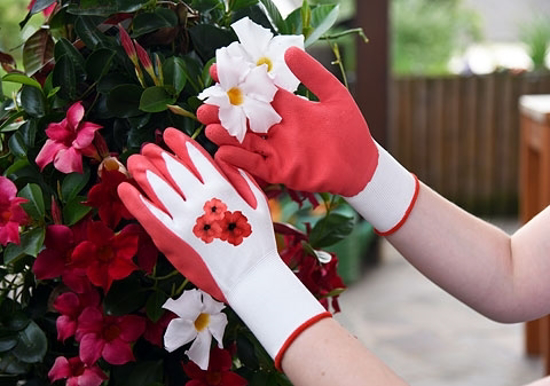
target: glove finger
213 70
158 189
219 135
173 170
258 143
208 114
250 161
239 183
313 74
146 212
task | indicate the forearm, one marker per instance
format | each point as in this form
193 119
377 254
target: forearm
326 354
476 262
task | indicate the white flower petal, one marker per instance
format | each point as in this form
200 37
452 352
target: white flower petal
199 352
217 325
188 306
280 72
261 115
179 333
234 120
215 91
232 69
253 37
258 85
211 306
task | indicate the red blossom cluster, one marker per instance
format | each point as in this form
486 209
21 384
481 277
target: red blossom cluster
320 278
219 223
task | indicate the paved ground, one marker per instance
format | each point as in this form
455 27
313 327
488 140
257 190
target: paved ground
428 337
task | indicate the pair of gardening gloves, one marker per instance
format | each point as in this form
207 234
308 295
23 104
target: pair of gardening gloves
213 223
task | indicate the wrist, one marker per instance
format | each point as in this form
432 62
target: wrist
388 198
275 305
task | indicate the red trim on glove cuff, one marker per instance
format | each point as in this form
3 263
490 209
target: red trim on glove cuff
407 213
295 334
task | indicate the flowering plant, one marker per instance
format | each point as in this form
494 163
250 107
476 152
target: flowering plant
85 297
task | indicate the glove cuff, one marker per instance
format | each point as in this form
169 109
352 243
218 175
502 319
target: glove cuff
275 305
389 197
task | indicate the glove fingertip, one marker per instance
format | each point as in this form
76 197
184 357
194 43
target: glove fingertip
208 114
214 72
219 135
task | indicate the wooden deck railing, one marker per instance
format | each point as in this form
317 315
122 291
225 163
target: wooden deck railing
460 134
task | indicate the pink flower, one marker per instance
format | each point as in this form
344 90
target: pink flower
70 306
106 256
154 331
56 259
107 336
76 372
147 253
11 213
67 141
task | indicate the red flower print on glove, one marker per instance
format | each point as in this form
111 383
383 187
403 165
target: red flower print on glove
215 209
235 227
207 228
218 223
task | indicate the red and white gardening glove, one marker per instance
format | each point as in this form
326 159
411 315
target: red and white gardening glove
323 146
221 242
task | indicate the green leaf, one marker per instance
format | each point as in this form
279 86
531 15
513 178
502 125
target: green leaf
154 305
64 76
105 7
86 29
155 99
63 47
35 207
33 101
124 297
7 343
124 101
32 345
152 21
9 364
74 210
31 244
22 79
274 14
207 38
16 321
37 51
207 5
10 124
99 62
293 23
17 146
331 229
73 184
240 4
28 132
323 18
174 73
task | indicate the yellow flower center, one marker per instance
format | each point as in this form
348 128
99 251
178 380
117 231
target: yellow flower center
235 96
265 60
202 321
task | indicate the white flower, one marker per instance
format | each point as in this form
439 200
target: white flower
199 319
262 48
242 94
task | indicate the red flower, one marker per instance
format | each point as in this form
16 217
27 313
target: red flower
207 228
104 197
218 374
70 306
147 253
235 227
215 209
106 256
154 331
56 259
76 372
11 213
68 141
107 336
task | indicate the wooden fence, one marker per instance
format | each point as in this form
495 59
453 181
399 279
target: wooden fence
460 134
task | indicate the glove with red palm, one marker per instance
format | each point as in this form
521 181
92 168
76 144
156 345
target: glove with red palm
323 146
220 236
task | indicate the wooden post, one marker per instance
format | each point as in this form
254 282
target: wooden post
535 195
371 91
